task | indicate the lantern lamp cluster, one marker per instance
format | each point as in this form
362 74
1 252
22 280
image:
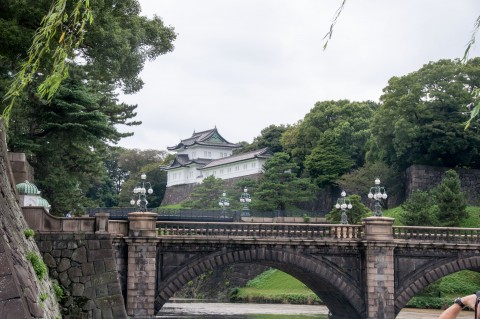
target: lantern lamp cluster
377 193
140 193
343 203
223 202
245 199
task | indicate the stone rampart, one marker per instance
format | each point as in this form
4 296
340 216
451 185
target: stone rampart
84 265
179 193
22 293
424 177
22 170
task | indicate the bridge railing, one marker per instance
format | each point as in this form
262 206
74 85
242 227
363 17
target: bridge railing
437 234
260 230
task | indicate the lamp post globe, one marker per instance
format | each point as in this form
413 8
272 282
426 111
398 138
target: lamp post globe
140 193
224 203
377 194
245 199
343 204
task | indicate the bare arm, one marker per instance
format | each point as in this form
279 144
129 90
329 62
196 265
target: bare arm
453 311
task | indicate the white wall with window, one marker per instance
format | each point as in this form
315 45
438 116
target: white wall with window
199 151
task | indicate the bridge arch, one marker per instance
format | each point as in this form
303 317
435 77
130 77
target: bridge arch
340 292
429 274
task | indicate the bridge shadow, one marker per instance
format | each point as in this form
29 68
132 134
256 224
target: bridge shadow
340 292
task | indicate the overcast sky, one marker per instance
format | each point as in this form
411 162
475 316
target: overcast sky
242 65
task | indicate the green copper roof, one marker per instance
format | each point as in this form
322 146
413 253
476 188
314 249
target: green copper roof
27 188
43 202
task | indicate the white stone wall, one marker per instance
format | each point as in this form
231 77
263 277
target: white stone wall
233 170
183 175
198 151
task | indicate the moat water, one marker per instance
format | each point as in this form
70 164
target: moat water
204 310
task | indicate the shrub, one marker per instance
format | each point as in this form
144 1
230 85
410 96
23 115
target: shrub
43 296
39 266
419 210
58 290
29 233
451 201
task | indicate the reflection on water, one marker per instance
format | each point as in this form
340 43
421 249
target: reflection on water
241 311
211 316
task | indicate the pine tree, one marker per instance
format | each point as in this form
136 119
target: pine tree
451 201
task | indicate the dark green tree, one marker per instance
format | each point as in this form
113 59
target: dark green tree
419 210
355 215
337 124
327 162
68 134
360 180
269 137
451 200
66 140
206 194
423 114
279 187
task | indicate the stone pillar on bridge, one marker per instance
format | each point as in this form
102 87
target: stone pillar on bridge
142 243
380 279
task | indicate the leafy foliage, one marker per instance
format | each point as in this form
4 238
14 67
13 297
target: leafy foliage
39 266
270 137
206 194
355 215
326 163
423 114
29 233
70 28
66 136
279 186
360 180
342 126
445 205
419 210
451 201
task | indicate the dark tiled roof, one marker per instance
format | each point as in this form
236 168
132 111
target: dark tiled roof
182 160
209 138
262 153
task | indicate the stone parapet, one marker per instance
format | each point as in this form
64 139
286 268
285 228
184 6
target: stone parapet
22 170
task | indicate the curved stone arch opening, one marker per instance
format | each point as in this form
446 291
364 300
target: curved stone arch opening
341 294
430 275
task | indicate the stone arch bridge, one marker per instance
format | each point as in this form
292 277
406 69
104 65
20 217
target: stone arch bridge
360 271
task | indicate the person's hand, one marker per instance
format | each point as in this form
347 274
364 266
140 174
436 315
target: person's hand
470 301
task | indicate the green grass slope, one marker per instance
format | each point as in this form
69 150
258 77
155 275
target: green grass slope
275 286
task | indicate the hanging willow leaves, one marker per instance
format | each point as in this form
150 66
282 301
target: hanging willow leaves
329 34
72 28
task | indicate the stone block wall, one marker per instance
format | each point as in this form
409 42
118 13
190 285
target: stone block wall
120 253
84 265
179 193
22 294
22 170
425 177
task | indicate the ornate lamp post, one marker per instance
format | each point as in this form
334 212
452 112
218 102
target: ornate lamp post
343 203
245 199
224 203
141 191
377 193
